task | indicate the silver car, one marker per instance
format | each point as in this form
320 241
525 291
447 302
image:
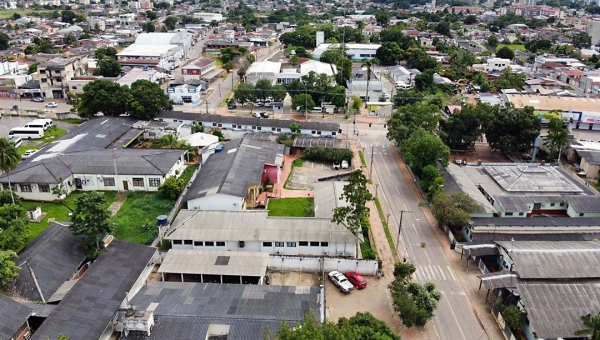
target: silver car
341 282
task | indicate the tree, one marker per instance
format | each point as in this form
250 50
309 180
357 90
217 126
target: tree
508 80
513 129
13 227
409 118
263 89
302 52
591 325
108 67
4 41
465 126
368 63
492 42
172 188
6 197
148 99
8 268
383 18
278 93
338 97
229 54
9 159
33 68
303 102
558 136
505 53
344 68
148 27
103 96
513 316
424 81
16 16
244 92
443 28
67 16
470 19
423 148
228 66
389 53
70 39
582 40
453 209
355 215
151 15
91 218
169 140
170 22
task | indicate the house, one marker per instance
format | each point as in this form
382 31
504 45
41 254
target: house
590 163
88 310
138 73
214 46
254 231
13 319
263 70
56 73
214 311
357 85
208 17
197 68
187 93
230 179
93 157
52 259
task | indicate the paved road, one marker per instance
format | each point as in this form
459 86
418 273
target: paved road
6 104
454 318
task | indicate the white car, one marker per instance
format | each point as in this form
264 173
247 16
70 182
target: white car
345 164
52 104
341 282
28 154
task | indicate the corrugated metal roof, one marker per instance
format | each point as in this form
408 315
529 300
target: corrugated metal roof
242 263
327 197
499 280
12 316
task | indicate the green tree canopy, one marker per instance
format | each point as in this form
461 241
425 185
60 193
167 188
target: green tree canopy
303 102
263 89
453 209
582 40
9 159
591 324
91 218
466 125
423 148
410 117
147 100
513 129
108 67
389 53
103 96
505 53
558 136
170 22
492 41
8 268
245 92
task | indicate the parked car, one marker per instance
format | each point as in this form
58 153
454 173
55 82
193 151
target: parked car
357 280
231 106
345 164
264 114
256 115
171 77
37 99
340 281
28 154
335 166
259 104
52 104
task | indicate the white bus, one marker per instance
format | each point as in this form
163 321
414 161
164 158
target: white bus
27 133
43 123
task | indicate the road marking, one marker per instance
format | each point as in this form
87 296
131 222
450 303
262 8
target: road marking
441 272
455 318
428 260
451 273
386 166
405 208
416 232
435 329
398 191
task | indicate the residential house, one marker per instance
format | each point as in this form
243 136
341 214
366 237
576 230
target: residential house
290 73
197 68
56 73
13 319
214 46
187 93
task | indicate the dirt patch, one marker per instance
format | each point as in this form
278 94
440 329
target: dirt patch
482 152
304 177
279 278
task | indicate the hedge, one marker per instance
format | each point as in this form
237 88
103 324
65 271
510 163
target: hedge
322 154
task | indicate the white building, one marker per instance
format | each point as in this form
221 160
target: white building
357 85
496 64
126 19
356 52
164 50
254 231
208 17
263 70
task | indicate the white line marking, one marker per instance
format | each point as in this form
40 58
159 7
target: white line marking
426 274
451 273
441 272
416 232
386 166
405 208
425 251
398 191
456 319
435 329
419 274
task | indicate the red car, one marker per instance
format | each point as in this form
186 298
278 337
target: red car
357 280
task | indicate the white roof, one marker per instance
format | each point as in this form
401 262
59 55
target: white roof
155 38
318 67
323 47
264 67
143 50
201 139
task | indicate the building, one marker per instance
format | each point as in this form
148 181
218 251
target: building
268 70
214 46
592 27
328 197
356 52
231 179
359 84
88 310
164 50
93 157
187 93
14 316
496 65
138 73
49 262
56 73
197 68
126 19
254 231
289 73
209 17
215 311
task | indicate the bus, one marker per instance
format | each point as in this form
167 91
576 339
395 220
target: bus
27 133
40 123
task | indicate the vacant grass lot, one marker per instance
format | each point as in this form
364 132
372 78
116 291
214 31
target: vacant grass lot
519 47
8 13
57 211
294 207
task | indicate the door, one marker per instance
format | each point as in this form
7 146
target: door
125 185
78 183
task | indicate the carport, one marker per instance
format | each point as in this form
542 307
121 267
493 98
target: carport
215 266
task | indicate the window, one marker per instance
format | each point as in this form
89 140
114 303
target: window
73 87
333 133
44 187
324 244
177 242
5 186
303 243
314 244
551 204
581 214
220 125
314 132
109 181
198 243
209 244
44 80
267 244
279 244
138 182
278 129
25 187
508 213
520 214
220 244
562 204
272 129
154 182
214 124
253 127
188 242
291 244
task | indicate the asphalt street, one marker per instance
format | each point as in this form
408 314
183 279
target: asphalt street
454 319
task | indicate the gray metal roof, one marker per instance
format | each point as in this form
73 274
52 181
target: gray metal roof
555 310
550 221
188 261
88 308
12 316
499 280
480 249
487 236
534 179
331 143
248 121
254 226
591 157
519 203
584 204
327 198
232 170
54 257
554 260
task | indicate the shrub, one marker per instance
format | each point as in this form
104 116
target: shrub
327 155
171 188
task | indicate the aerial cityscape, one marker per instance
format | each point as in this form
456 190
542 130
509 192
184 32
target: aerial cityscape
280 170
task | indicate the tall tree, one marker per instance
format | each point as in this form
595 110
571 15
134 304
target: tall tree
368 64
303 102
513 129
423 148
108 67
409 118
355 215
557 137
147 100
67 16
245 92
505 53
389 53
4 41
582 40
492 42
103 96
591 324
170 22
466 125
263 89
8 268
454 209
13 227
91 218
9 159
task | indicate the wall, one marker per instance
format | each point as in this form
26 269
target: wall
96 182
315 264
217 202
591 171
332 249
273 172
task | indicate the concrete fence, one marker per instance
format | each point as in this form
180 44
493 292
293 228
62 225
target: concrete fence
318 264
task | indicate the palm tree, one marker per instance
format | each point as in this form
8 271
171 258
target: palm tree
170 141
557 137
368 63
592 326
9 159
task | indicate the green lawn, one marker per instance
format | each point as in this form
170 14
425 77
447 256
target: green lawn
53 134
57 211
8 13
293 207
21 149
74 121
383 218
187 173
136 220
520 47
362 158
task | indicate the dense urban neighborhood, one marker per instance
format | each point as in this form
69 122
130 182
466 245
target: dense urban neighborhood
282 170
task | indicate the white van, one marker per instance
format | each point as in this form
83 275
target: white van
40 123
403 86
26 133
17 141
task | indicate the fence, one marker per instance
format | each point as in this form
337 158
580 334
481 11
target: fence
506 332
320 264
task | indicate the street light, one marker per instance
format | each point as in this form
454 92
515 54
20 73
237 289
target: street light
400 228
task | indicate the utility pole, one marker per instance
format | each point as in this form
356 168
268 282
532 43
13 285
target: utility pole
400 227
220 87
206 101
372 156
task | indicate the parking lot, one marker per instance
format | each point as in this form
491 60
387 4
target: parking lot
8 122
288 278
303 177
374 299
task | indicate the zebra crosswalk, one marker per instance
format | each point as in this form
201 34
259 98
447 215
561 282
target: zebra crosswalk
434 273
374 144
